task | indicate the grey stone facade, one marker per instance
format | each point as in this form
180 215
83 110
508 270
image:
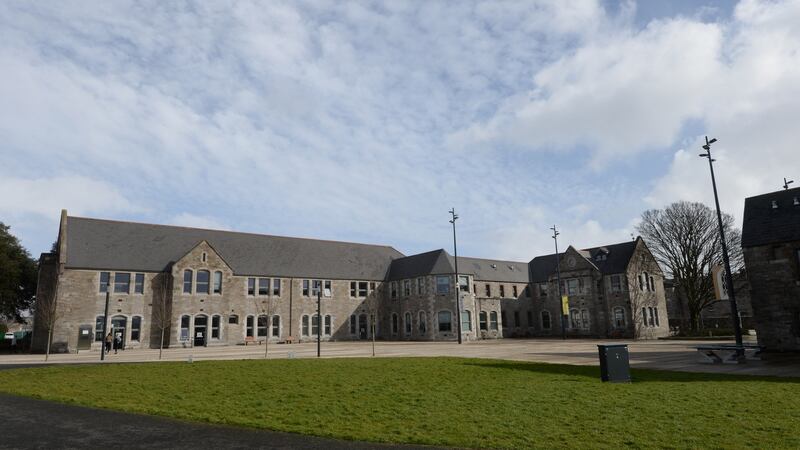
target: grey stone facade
209 288
771 245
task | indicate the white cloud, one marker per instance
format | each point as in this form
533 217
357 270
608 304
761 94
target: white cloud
196 221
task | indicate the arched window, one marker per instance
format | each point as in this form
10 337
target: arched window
619 317
136 327
652 317
262 326
655 310
423 326
407 325
218 282
327 331
546 320
445 321
644 317
276 326
466 320
98 329
482 322
215 327
493 320
395 326
187 281
574 319
249 326
185 327
305 326
202 281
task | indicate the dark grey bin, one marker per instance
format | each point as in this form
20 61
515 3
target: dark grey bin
614 365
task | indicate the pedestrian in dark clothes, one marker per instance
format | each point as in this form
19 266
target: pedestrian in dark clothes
109 340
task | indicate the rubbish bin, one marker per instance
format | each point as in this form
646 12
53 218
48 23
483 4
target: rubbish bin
614 366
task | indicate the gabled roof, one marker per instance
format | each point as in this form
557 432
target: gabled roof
436 262
764 224
616 260
439 262
494 269
113 245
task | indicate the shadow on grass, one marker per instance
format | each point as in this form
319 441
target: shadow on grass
637 375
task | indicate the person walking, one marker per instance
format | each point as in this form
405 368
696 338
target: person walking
109 340
117 342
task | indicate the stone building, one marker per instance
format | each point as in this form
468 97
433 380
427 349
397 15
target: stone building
200 287
771 245
717 315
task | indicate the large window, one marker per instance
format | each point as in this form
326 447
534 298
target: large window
423 325
185 328
327 331
98 328
644 317
249 326
138 284
215 327
122 283
445 318
262 325
263 286
136 327
466 321
276 326
463 283
251 286
482 321
276 287
218 282
305 325
574 319
393 289
572 286
619 317
202 281
421 285
353 288
305 288
407 325
315 287
406 288
327 288
315 324
104 279
652 322
516 319
395 325
546 320
493 320
616 283
363 288
442 285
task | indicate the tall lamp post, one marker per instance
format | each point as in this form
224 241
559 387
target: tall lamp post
458 288
558 286
319 317
737 329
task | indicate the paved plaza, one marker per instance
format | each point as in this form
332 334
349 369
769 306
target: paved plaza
655 354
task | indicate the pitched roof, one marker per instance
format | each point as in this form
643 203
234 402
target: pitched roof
439 262
494 269
113 245
436 262
764 224
616 260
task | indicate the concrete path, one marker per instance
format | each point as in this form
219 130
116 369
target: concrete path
667 355
28 423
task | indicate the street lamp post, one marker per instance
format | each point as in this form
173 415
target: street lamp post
455 255
558 286
319 318
737 329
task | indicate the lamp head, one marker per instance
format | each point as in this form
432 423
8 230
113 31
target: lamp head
704 155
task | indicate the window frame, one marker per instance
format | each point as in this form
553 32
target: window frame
276 287
138 283
546 319
216 329
443 287
466 320
198 283
493 321
483 321
275 326
126 284
103 286
251 286
263 287
136 328
216 282
447 326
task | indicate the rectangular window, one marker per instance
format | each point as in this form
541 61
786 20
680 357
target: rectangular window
122 283
218 282
305 324
315 287
187 281
442 285
262 326
421 283
652 317
488 290
249 326
406 288
482 320
463 283
353 288
305 288
644 317
215 327
276 287
585 319
514 291
466 321
445 318
315 325
502 291
184 328
493 320
394 289
251 286
263 286
572 286
136 326
138 283
545 320
655 311
616 283
104 279
327 290
202 281
363 288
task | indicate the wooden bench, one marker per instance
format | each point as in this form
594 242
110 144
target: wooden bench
289 340
251 340
729 353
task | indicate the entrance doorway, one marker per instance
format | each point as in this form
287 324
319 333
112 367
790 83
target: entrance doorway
363 326
200 330
119 324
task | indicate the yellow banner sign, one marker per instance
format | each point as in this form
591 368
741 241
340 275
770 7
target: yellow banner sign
565 305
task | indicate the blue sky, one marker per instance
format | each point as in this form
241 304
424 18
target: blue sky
367 121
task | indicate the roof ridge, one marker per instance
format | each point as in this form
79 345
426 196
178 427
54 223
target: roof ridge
231 231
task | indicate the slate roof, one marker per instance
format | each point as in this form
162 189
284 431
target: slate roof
494 270
113 245
764 224
439 262
617 258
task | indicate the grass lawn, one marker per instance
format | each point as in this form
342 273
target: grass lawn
440 401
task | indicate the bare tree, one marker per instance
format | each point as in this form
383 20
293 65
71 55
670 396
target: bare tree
46 313
161 312
684 238
267 307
